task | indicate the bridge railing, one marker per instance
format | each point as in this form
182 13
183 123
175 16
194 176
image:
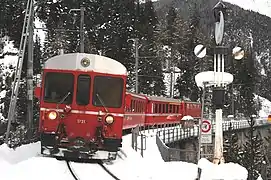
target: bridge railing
163 137
174 154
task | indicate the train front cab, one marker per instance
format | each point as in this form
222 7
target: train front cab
84 116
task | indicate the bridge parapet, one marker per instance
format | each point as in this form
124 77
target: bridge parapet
166 136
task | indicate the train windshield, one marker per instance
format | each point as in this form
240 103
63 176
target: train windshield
57 87
107 91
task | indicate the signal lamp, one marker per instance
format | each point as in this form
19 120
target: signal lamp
85 62
52 115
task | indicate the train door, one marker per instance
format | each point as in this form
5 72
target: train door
84 121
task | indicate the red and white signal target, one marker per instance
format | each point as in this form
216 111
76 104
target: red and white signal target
206 126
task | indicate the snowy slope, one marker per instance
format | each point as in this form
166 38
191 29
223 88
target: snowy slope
266 106
260 6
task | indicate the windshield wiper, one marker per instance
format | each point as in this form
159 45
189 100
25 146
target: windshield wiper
63 99
100 99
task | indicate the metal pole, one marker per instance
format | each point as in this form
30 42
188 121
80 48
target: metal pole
218 152
136 65
219 60
232 101
171 73
29 77
201 119
171 83
82 38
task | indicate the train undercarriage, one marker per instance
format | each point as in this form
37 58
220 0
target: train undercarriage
78 149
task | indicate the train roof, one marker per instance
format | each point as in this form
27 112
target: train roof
163 99
154 98
160 98
85 62
137 95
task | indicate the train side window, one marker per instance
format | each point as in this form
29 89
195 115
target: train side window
133 106
170 108
155 108
166 108
83 90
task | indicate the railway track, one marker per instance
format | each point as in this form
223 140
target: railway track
99 163
71 171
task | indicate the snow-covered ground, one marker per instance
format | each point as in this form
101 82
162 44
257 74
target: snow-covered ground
25 164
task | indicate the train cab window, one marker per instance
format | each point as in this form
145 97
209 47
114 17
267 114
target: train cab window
58 87
107 91
83 90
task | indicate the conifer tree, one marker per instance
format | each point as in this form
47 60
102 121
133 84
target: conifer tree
231 148
151 77
189 64
253 155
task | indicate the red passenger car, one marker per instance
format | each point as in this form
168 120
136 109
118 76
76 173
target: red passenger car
81 106
135 110
163 110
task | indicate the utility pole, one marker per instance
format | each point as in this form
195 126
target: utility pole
219 90
17 77
136 65
29 76
82 33
171 66
136 43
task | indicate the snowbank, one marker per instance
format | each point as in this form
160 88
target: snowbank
266 106
228 171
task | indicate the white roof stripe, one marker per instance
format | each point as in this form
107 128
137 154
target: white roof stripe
98 63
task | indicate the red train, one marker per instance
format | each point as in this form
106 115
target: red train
84 107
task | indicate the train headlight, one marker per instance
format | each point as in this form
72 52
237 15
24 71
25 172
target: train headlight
52 115
109 119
